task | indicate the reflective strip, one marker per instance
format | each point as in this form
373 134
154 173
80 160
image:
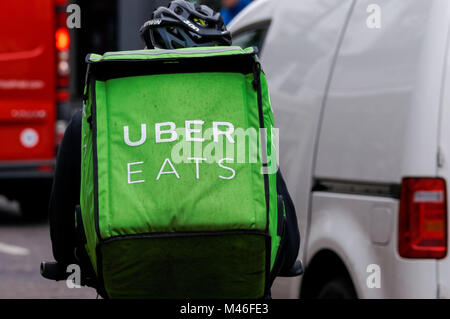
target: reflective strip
428 197
162 52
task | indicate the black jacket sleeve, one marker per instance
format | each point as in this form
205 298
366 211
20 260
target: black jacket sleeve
65 193
291 239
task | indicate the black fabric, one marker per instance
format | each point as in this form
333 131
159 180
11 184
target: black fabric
193 265
66 193
291 237
81 235
106 69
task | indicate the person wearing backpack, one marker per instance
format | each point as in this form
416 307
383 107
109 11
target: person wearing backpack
72 230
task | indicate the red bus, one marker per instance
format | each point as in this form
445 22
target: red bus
34 98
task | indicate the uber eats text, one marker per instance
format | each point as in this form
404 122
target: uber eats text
219 144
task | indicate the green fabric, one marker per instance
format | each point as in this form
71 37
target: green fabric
87 185
206 267
135 199
202 204
271 154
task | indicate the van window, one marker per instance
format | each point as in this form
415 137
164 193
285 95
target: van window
251 36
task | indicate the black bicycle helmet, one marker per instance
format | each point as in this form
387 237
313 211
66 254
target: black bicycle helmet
184 24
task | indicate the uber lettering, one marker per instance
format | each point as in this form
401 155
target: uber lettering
166 132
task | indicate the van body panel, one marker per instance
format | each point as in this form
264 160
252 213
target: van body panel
344 223
443 160
297 80
375 126
421 151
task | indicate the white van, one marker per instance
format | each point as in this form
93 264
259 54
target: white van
361 94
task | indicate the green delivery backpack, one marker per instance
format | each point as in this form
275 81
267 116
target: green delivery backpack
172 204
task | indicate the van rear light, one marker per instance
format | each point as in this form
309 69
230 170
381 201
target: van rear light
423 218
